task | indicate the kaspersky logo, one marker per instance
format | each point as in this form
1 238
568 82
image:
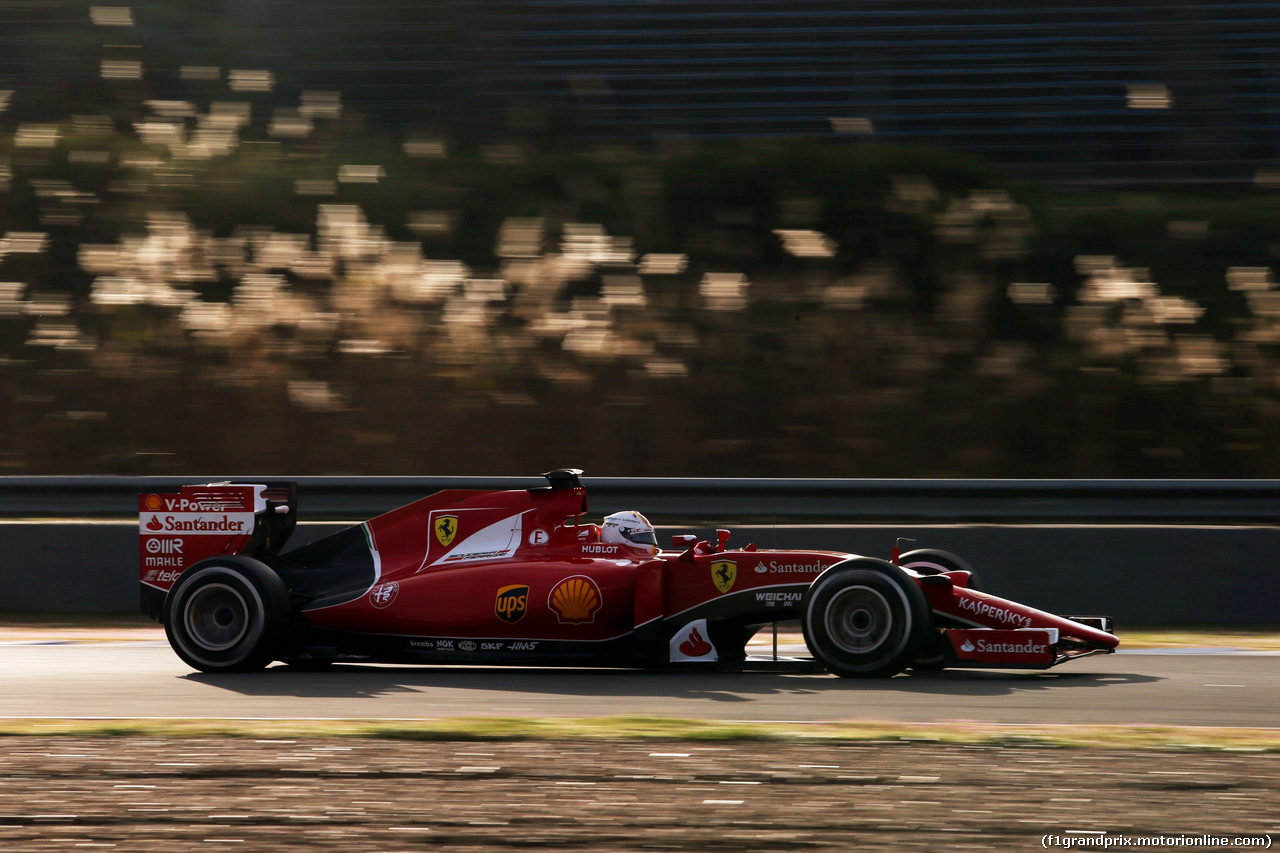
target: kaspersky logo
446 527
723 574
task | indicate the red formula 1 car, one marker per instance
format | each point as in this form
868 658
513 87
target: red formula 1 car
520 577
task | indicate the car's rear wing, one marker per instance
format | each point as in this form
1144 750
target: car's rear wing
178 530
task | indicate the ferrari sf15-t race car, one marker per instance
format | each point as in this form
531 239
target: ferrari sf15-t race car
520 577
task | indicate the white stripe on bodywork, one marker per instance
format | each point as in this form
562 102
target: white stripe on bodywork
498 541
373 551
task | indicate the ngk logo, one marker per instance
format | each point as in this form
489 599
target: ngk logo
164 546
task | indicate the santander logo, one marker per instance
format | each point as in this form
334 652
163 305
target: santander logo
692 642
695 646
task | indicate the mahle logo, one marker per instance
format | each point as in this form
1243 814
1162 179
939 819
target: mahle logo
446 527
512 603
723 574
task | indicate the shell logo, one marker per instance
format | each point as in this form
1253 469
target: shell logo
153 502
575 600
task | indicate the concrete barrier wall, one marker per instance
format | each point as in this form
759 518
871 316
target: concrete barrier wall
1139 575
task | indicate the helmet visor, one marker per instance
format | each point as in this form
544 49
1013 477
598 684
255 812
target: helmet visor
641 537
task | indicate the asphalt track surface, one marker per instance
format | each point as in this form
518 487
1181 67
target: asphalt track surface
144 679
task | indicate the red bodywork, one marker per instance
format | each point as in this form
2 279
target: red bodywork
474 576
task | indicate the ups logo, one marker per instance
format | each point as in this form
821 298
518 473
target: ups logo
446 527
512 603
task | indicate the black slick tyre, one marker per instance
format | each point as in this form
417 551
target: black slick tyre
865 618
226 614
931 561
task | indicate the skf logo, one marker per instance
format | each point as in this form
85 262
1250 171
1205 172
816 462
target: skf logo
512 603
575 600
446 527
724 573
383 594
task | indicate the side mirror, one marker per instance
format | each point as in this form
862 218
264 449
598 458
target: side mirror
683 540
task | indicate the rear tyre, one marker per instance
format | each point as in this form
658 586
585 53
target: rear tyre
865 618
226 615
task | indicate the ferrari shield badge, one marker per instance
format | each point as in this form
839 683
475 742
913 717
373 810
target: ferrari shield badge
724 573
446 527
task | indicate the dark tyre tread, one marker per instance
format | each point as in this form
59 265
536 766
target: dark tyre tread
865 618
932 561
226 614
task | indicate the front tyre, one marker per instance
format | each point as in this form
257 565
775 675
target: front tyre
226 615
931 561
865 618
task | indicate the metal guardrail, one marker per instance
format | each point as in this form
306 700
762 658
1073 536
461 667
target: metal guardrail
692 500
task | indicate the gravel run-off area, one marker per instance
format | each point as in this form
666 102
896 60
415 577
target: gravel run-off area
145 794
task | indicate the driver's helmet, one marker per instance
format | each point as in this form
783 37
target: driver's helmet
629 528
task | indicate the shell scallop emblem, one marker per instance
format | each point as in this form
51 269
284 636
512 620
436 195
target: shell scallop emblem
575 600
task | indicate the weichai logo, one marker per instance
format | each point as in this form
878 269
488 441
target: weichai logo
512 603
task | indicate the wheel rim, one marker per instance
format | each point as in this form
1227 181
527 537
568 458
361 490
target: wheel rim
216 617
859 620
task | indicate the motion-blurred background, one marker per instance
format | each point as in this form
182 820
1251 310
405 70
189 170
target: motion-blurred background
758 238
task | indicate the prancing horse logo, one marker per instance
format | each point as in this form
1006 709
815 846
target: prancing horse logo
446 528
724 573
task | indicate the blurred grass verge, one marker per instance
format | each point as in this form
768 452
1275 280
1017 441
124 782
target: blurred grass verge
669 729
